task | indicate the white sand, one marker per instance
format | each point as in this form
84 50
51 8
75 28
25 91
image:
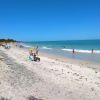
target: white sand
48 79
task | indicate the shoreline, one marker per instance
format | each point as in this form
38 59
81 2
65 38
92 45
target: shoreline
85 54
72 60
68 60
49 79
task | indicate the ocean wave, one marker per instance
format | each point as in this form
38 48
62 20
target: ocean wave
45 47
67 50
26 46
82 51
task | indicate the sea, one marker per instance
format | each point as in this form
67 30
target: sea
82 48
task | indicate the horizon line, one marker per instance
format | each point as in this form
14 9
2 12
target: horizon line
57 40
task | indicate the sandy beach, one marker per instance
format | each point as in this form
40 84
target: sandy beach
49 79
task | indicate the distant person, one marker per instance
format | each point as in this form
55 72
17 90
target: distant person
92 50
30 52
21 46
37 51
31 55
7 46
73 51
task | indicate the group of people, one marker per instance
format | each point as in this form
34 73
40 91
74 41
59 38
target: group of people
33 53
73 51
6 46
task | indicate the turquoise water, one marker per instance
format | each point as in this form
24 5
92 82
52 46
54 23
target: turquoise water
76 44
64 48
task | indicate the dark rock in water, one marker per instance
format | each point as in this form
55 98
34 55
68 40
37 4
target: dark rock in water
33 98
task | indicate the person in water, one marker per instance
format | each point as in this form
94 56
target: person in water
73 51
92 50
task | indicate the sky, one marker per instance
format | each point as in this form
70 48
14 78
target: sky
41 20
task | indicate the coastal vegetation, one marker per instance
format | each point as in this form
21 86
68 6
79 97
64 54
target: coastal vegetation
7 40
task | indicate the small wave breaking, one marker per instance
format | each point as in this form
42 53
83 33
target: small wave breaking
81 51
26 46
45 47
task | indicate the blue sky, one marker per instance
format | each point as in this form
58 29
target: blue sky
50 19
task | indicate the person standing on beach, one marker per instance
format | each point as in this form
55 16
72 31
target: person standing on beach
37 51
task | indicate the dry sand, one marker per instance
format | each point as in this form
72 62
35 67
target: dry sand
49 79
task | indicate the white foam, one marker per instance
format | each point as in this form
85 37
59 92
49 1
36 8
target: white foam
82 51
46 48
27 46
97 51
67 50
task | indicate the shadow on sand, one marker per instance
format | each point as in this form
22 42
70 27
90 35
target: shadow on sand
33 98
